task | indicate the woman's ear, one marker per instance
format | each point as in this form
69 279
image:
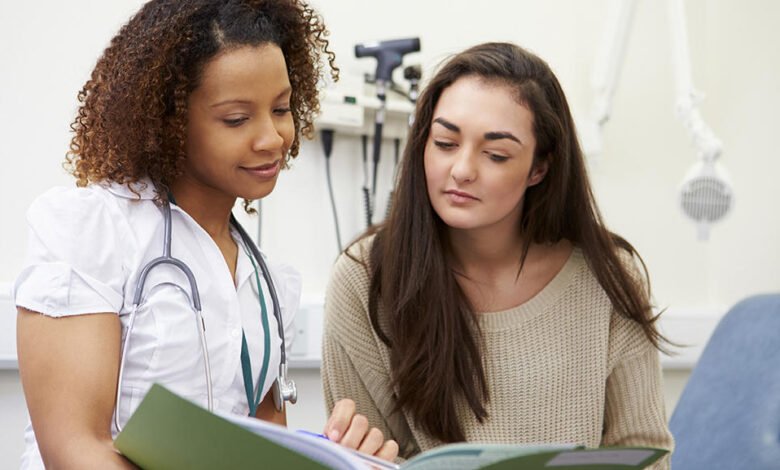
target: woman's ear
538 172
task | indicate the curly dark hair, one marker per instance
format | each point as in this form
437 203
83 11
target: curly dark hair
132 118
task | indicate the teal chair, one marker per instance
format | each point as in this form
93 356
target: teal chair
728 416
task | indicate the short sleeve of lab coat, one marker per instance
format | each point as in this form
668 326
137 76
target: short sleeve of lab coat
75 255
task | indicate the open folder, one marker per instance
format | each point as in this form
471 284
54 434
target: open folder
169 432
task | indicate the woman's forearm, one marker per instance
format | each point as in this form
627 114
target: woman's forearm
86 454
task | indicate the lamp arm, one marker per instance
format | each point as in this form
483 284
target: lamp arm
608 64
686 105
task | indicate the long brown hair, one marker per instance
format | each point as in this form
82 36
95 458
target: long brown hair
131 122
429 325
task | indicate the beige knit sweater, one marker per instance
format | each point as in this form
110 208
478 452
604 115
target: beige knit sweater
561 368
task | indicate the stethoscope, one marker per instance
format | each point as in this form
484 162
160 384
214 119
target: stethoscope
283 388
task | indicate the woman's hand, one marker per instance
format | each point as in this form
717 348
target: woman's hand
352 430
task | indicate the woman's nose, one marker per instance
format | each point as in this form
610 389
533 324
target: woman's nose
464 169
268 136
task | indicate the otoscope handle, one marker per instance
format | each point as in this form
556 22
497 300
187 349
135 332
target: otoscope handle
388 54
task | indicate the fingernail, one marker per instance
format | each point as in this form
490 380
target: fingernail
333 435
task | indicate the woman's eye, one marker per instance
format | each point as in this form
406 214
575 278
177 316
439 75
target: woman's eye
443 145
282 111
498 158
234 122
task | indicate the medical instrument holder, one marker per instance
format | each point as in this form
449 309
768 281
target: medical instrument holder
388 55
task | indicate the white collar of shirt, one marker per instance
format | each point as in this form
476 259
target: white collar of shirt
144 189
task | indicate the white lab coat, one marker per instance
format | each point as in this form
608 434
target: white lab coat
86 249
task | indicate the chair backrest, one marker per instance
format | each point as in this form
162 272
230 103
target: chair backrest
728 416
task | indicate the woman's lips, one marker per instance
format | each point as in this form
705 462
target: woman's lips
263 172
460 197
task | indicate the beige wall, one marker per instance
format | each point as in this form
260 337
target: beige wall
734 46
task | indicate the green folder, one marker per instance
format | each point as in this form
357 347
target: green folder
533 457
168 432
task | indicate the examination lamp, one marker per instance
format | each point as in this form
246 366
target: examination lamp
706 194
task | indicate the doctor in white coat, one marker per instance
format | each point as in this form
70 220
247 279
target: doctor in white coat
193 105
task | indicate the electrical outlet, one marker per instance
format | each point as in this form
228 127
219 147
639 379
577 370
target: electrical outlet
308 331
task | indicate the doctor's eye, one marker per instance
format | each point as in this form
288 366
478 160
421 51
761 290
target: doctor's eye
234 122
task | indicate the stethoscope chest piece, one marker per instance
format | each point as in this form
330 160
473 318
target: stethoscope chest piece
284 389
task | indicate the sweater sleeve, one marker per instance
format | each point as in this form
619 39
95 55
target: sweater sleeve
340 380
352 364
635 414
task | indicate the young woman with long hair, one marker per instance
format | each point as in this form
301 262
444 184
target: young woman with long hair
494 305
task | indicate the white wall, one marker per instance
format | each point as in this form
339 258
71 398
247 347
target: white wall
46 56
47 52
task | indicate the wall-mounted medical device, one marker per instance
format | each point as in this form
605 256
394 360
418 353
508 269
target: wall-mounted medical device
389 55
351 107
376 109
706 194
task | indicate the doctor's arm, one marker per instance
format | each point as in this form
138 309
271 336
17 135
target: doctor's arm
267 411
69 368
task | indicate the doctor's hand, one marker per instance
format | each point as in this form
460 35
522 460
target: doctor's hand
352 430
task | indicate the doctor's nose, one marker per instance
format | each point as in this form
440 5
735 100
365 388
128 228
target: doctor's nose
464 169
269 136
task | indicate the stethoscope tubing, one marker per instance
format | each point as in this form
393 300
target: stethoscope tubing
288 393
267 276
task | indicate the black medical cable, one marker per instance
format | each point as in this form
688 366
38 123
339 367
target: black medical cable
397 144
397 149
379 121
366 191
327 148
378 126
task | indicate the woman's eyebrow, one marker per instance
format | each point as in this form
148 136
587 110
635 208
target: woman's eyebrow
231 101
447 124
496 135
285 92
502 135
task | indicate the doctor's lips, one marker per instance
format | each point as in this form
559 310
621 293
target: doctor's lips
460 196
266 171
